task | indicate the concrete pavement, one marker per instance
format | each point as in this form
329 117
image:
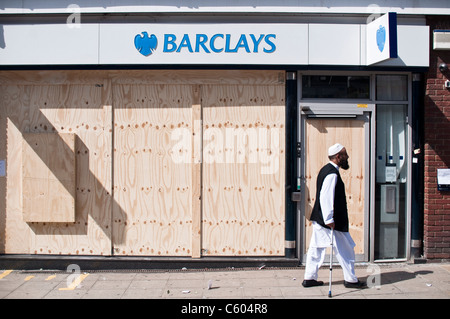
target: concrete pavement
386 281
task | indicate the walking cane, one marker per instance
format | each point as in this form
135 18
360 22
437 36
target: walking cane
331 264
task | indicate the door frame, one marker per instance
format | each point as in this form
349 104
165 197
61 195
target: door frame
361 110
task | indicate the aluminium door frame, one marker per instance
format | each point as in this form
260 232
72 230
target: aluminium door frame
308 110
371 108
338 108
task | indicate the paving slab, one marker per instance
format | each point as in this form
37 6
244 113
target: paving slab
385 281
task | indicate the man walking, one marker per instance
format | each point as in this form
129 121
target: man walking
330 212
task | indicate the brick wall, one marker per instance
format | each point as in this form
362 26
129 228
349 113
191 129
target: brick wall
437 149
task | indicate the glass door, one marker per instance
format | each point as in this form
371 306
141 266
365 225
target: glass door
391 168
391 182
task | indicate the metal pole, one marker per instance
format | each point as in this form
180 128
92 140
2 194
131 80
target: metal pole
331 264
291 174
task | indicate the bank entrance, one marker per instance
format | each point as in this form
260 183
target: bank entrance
368 114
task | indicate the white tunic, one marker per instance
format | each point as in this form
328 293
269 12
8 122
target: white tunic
343 245
321 236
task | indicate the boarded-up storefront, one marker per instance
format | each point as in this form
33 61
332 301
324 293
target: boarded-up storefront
151 163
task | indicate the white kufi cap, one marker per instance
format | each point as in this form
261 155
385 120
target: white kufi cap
336 148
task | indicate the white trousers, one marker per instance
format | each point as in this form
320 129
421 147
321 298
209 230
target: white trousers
343 250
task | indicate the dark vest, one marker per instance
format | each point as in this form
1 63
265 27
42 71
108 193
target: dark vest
340 202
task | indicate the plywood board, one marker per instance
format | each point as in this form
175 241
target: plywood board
172 77
3 138
198 77
321 134
48 177
152 170
157 206
243 172
196 166
80 110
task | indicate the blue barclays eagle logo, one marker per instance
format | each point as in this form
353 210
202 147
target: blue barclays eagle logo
381 38
145 44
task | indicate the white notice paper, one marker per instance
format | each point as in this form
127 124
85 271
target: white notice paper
391 174
443 176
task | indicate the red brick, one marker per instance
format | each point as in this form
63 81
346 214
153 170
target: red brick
436 151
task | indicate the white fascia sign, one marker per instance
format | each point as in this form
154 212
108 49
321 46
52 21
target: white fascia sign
381 39
203 44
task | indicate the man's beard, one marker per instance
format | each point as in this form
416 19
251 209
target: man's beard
344 164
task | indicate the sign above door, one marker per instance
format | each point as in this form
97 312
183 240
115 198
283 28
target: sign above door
381 39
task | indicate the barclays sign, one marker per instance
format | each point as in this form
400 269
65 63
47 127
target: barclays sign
381 39
204 43
218 44
145 44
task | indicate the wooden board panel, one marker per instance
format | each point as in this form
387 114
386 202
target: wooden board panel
48 177
196 179
321 134
81 110
243 170
172 77
198 77
157 204
3 138
152 182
